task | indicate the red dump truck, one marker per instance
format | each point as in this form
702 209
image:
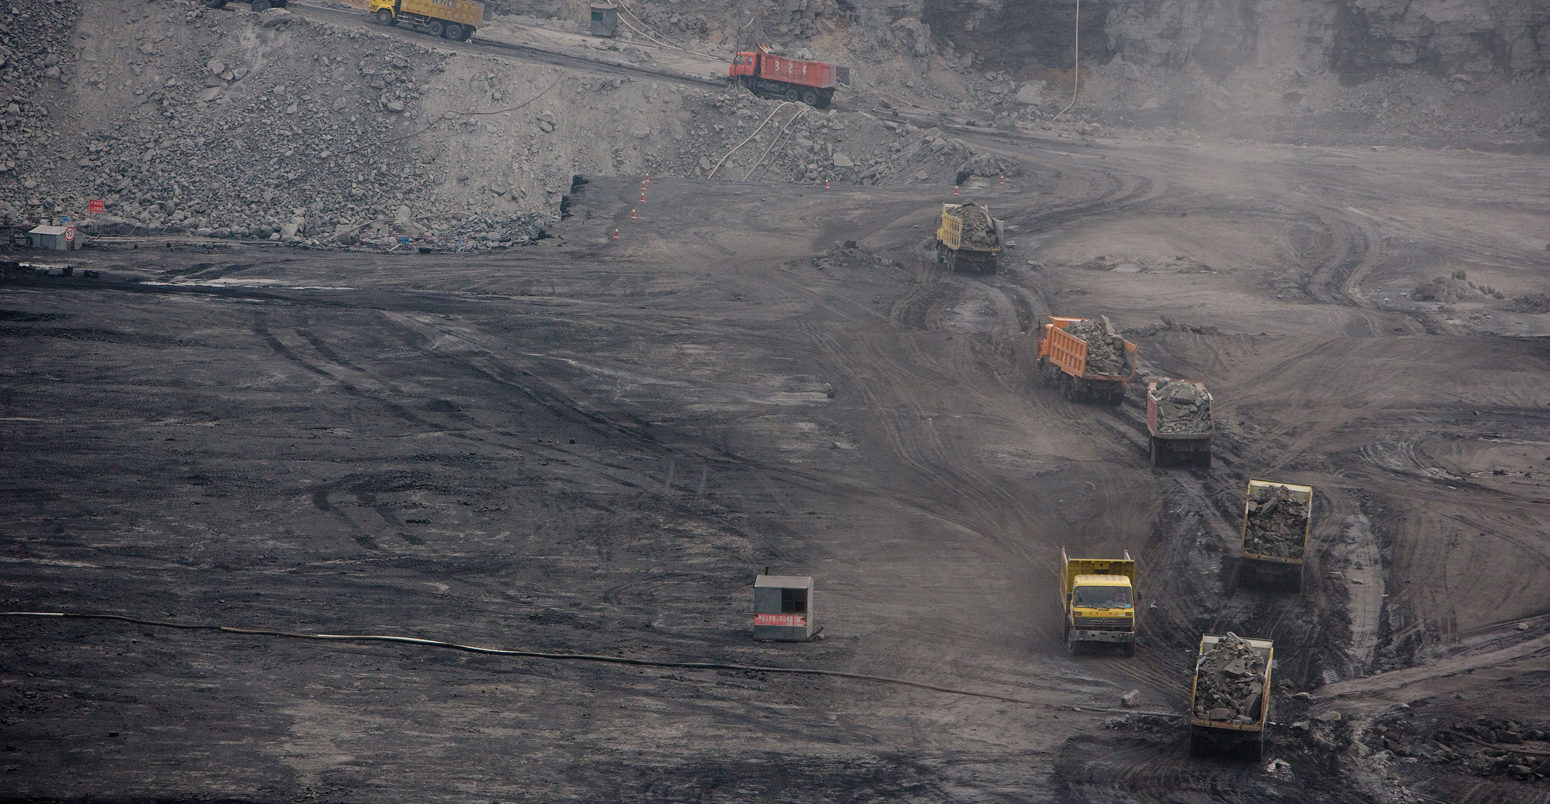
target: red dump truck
764 73
1086 359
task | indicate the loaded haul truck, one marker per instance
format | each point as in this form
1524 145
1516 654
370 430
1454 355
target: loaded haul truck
969 238
1086 359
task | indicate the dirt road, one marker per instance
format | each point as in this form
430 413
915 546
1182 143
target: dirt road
592 445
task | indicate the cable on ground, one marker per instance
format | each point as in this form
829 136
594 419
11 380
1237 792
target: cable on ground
576 657
712 174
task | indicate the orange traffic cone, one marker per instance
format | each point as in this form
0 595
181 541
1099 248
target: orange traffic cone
643 196
1003 178
825 184
648 177
955 189
632 214
616 234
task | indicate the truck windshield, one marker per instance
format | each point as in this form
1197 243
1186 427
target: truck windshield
1101 597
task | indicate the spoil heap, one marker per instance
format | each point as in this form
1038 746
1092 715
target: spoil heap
1182 407
1276 523
1105 346
1229 681
978 229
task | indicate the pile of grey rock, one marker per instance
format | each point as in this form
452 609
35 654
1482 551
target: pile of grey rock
1229 682
1182 407
1105 346
1276 523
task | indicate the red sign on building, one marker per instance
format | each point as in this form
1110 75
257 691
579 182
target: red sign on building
96 205
788 620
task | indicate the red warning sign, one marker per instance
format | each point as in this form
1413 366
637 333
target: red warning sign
788 620
69 234
96 205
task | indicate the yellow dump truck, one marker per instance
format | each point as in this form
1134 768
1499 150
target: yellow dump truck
1276 520
969 238
1229 701
1099 598
453 19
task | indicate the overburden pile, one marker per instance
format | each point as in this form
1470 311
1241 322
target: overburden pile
1229 682
1276 523
1105 346
978 229
1182 407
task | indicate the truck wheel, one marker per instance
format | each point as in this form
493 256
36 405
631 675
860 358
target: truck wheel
434 28
453 32
385 17
468 33
791 94
260 5
810 98
215 3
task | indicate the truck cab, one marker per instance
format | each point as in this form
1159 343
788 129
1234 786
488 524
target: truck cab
1099 598
744 64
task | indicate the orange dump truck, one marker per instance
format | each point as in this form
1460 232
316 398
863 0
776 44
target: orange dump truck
764 73
1086 359
453 19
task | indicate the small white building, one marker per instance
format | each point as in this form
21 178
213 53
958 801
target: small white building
54 238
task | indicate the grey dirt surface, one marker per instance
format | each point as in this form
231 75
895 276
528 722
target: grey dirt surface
592 445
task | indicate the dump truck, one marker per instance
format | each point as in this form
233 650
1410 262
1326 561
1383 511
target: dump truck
1099 599
258 5
1229 701
764 73
1276 520
1178 422
969 238
453 19
1086 359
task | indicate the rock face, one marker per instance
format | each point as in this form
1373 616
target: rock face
1229 682
1182 407
1105 346
1356 38
1277 521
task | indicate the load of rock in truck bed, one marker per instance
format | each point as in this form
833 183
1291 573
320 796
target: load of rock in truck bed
1277 522
979 231
1182 407
1105 346
1229 681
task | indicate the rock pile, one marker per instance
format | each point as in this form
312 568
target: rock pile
1105 346
1182 407
1229 682
1276 522
978 229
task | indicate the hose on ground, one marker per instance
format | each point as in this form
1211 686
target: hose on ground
1076 61
712 174
575 657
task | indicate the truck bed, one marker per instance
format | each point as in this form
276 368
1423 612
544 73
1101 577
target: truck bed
1227 735
1070 353
816 74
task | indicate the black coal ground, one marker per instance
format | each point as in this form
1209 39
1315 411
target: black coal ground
593 445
